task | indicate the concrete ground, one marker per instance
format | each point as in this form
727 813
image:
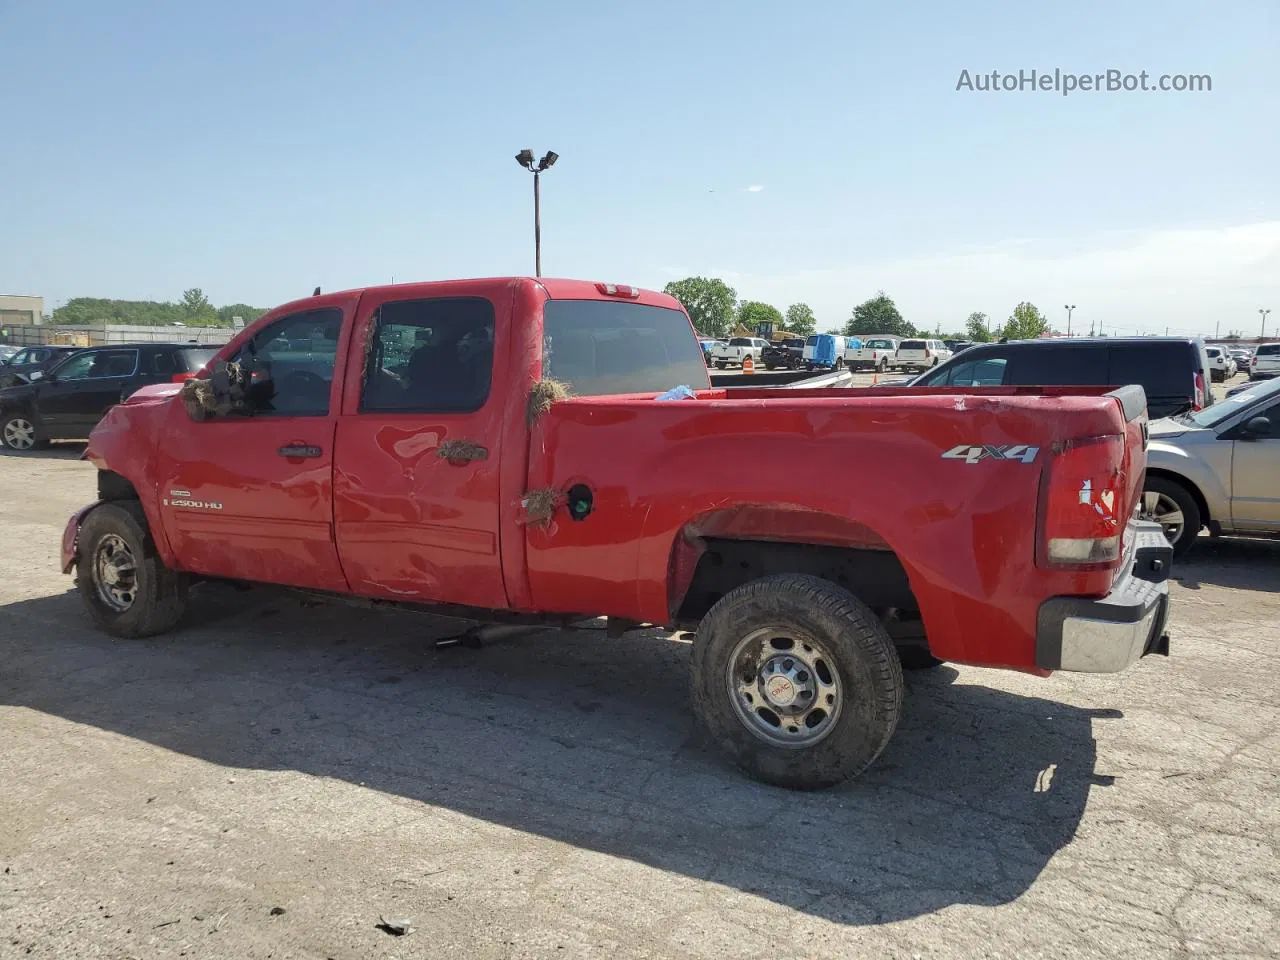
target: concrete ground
275 776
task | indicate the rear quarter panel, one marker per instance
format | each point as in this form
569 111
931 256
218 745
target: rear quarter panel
865 472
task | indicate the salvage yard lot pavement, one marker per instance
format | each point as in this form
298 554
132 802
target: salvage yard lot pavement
550 795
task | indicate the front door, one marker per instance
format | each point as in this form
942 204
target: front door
250 496
1255 476
416 495
74 397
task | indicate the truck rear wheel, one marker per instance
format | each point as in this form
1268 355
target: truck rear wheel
126 587
797 681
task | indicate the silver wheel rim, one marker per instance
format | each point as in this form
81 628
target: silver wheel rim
19 434
1162 509
785 687
115 574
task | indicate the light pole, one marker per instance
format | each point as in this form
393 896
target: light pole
525 159
1264 313
1069 308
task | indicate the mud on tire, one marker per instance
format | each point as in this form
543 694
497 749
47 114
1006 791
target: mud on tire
856 658
126 588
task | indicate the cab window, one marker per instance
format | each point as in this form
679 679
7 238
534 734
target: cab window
290 364
430 356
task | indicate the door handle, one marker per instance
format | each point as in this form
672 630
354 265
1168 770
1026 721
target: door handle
299 451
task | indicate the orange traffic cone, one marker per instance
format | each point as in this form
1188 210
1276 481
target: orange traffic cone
875 377
748 365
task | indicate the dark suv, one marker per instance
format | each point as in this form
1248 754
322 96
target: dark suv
1174 371
66 400
18 368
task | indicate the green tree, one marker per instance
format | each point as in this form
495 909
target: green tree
975 328
800 319
878 315
196 306
249 313
709 301
1025 323
753 313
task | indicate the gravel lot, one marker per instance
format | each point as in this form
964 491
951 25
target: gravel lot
275 776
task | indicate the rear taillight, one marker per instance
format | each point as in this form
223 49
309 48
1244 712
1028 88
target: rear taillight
1083 519
1199 399
926 353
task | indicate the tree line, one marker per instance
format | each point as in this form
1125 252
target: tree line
716 311
194 310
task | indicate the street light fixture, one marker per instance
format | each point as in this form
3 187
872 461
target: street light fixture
525 159
1069 308
1264 321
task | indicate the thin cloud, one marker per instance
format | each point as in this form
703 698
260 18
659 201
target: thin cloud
755 188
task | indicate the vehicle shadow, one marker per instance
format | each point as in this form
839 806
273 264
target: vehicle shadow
1241 563
582 739
57 450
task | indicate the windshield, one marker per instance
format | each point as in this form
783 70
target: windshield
600 348
1230 406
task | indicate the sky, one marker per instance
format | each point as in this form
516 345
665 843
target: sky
816 152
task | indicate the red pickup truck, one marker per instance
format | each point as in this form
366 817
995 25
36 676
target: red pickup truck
501 450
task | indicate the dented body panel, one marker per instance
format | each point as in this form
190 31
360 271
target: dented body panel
470 508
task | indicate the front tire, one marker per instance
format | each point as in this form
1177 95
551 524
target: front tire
797 681
126 588
1173 506
22 432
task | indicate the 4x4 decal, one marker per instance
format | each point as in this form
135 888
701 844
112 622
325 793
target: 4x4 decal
971 453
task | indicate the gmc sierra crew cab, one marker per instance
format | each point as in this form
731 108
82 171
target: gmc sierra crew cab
515 451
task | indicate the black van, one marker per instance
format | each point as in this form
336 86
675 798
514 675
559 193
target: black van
1174 371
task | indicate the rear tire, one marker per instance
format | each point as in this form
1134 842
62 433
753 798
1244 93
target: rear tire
884 365
797 681
126 588
1161 497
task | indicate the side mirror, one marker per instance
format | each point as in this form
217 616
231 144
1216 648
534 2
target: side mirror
1257 427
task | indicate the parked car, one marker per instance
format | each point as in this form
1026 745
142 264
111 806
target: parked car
955 346
66 401
1172 370
1217 468
825 351
921 354
1222 366
708 347
737 350
1243 358
1266 362
30 360
785 354
419 472
876 353
7 353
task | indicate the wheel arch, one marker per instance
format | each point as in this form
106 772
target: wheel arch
1206 515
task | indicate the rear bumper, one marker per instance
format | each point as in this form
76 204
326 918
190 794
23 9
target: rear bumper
1111 634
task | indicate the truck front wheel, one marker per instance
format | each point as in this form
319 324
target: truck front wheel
797 681
126 587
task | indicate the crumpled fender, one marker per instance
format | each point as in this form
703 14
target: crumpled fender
71 535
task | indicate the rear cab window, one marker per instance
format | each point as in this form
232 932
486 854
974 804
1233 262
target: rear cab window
603 348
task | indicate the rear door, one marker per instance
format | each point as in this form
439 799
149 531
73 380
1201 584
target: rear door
416 487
